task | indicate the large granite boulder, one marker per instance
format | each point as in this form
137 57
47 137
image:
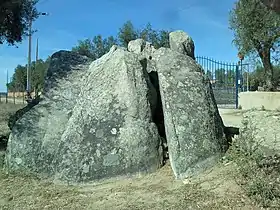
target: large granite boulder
181 42
194 128
260 130
119 115
136 46
94 121
187 116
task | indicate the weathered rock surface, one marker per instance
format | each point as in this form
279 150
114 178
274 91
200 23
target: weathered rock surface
260 129
181 42
136 46
113 117
35 137
194 128
93 123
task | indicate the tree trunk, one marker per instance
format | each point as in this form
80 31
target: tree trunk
268 70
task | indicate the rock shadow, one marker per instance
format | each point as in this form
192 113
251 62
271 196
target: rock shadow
157 110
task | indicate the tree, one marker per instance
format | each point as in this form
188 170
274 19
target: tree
230 77
85 47
220 76
14 19
38 72
102 46
96 47
109 42
156 38
127 33
164 38
256 31
272 4
256 78
18 82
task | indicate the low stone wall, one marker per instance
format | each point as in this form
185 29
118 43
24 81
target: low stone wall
260 100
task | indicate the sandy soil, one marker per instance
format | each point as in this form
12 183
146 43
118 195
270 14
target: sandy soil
214 189
231 117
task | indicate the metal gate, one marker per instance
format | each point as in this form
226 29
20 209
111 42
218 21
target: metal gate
225 79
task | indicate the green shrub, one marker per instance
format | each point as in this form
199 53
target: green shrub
259 174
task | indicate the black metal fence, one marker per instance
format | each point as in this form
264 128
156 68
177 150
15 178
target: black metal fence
225 79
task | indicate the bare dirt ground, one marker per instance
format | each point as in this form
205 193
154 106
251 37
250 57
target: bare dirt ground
231 117
214 189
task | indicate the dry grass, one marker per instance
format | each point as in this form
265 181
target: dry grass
5 111
258 173
214 189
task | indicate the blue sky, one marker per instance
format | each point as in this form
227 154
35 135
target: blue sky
206 21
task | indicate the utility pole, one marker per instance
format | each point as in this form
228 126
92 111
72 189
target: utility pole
7 80
37 49
28 82
7 86
36 62
28 86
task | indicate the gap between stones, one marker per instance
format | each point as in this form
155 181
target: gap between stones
157 112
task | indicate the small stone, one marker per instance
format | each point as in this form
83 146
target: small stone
181 42
136 46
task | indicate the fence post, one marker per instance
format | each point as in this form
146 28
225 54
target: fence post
236 86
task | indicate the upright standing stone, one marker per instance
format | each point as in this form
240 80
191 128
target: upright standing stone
194 128
136 46
94 122
181 42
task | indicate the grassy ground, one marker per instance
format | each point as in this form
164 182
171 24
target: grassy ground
5 111
225 186
258 173
12 100
216 189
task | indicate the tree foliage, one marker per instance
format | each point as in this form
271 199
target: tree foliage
256 31
93 48
256 78
38 72
223 77
156 38
127 33
18 82
96 47
84 47
14 19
